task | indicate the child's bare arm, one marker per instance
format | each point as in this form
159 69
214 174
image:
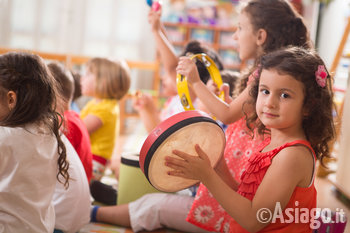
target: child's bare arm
166 50
284 174
92 123
147 109
226 113
223 171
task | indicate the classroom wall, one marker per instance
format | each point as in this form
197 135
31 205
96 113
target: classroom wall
343 171
116 29
119 28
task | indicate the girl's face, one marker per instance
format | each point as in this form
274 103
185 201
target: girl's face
280 101
246 38
168 86
87 82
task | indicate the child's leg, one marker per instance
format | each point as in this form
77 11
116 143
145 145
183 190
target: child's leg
158 210
98 167
118 215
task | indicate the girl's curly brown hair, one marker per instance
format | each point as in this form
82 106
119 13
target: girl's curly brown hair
318 124
28 76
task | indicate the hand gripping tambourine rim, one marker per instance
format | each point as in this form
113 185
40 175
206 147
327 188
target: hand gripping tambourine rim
180 131
182 85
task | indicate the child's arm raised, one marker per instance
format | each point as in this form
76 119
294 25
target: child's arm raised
227 113
292 167
164 47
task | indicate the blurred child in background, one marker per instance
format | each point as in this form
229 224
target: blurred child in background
77 92
73 127
107 82
72 204
149 112
144 104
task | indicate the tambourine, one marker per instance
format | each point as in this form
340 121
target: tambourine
181 131
182 85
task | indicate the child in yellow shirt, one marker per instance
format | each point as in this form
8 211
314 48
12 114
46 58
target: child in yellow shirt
106 82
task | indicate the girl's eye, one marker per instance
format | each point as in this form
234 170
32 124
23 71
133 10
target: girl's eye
264 91
284 95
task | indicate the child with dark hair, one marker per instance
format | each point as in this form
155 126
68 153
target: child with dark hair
77 91
259 32
73 127
252 42
293 104
144 103
71 205
146 107
33 155
196 47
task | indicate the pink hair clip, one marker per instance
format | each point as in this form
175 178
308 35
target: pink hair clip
321 76
256 72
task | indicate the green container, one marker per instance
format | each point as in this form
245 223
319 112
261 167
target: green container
132 183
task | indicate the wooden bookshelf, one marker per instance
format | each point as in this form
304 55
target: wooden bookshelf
218 38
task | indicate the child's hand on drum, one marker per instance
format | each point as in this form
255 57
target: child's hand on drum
187 67
189 166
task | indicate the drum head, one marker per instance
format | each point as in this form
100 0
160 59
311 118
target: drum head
181 131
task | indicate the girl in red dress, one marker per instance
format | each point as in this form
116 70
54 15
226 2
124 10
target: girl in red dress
293 101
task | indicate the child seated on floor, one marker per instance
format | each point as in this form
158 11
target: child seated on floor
33 157
107 82
73 127
293 104
72 204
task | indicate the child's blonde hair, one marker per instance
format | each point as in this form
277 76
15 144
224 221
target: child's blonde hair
112 78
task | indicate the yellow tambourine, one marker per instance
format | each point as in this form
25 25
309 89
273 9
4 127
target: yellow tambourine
182 85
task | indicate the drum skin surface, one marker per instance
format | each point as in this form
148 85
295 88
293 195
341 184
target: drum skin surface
182 132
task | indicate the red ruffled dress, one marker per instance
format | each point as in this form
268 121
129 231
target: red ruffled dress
301 199
206 212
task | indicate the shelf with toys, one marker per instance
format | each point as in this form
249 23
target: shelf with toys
216 37
211 21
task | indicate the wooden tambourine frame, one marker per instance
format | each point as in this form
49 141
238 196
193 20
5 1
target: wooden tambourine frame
182 85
